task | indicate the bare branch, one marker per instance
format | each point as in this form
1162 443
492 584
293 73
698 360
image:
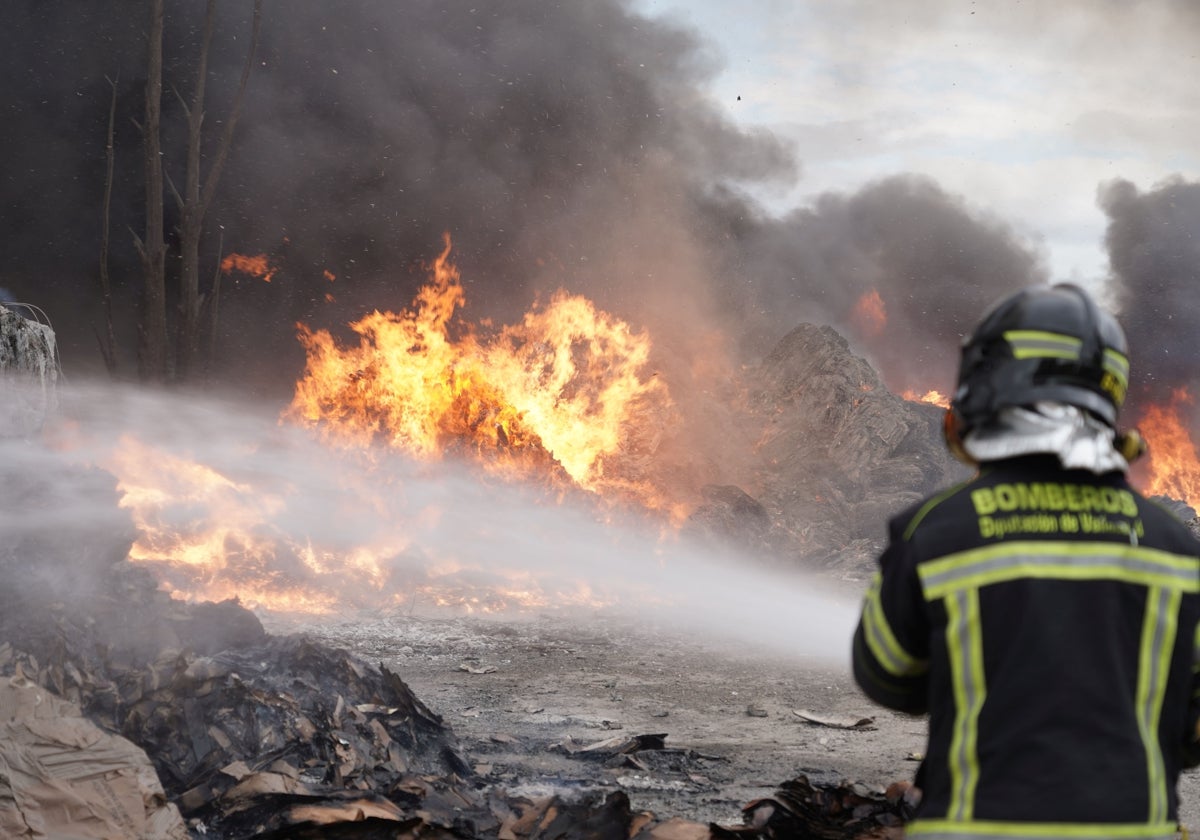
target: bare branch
182 102
214 174
179 202
138 244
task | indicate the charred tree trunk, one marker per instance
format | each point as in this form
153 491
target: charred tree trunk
196 198
152 315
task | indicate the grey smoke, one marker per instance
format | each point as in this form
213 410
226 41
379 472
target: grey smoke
935 261
1153 241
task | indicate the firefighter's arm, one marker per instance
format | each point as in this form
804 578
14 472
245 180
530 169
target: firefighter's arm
891 644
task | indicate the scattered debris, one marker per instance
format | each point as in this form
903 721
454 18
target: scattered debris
625 746
823 811
473 669
861 723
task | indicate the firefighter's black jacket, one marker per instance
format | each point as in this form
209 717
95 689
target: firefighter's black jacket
1046 620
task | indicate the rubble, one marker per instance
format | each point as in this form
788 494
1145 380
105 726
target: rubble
824 810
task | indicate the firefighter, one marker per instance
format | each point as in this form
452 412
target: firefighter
1044 613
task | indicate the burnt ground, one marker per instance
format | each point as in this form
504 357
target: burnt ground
526 694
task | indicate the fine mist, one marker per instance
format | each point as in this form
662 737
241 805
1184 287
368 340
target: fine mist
269 516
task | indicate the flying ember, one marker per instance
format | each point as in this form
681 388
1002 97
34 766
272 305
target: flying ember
258 265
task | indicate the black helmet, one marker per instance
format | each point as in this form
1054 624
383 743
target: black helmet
1043 343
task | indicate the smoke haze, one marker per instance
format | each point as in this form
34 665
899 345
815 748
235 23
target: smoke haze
370 530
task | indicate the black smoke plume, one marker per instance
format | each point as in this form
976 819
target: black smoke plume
1153 241
560 144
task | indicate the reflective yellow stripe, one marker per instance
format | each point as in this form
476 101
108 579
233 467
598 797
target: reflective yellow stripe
964 643
1036 344
882 641
951 830
1117 365
1067 561
1154 662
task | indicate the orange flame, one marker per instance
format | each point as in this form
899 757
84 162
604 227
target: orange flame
256 266
212 536
933 397
565 391
1172 464
870 313
206 530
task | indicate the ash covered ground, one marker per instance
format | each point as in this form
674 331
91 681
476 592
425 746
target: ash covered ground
527 694
524 693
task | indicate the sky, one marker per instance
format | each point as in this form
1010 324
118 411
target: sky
1023 108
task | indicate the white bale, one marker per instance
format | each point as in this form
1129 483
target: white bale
28 374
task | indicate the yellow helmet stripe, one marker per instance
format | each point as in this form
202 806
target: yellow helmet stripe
1038 344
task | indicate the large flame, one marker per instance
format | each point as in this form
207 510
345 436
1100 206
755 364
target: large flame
564 399
566 391
1172 465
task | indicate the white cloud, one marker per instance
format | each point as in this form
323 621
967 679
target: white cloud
1022 108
